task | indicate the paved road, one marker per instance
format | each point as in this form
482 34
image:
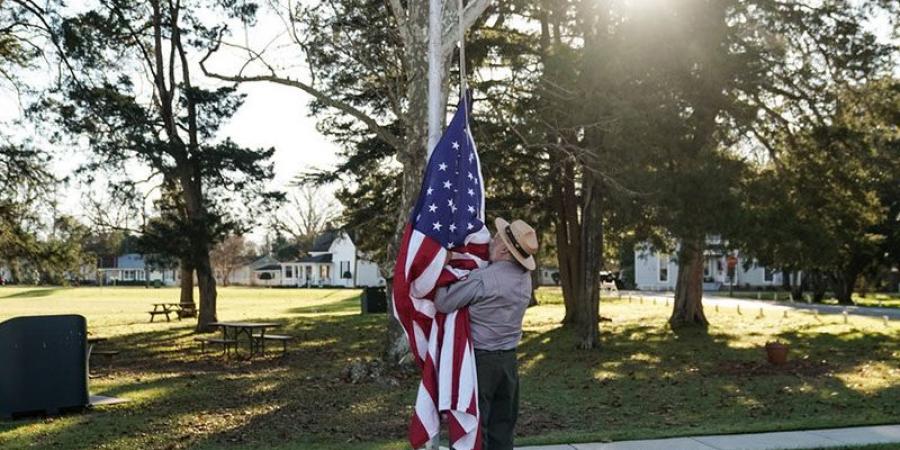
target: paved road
713 298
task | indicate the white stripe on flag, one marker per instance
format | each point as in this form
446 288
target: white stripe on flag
445 369
424 284
426 412
421 342
415 241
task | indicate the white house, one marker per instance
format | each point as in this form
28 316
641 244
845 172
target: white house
248 274
333 261
654 271
131 268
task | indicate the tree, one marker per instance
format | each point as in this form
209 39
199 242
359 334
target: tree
821 189
306 215
130 91
384 101
831 202
228 255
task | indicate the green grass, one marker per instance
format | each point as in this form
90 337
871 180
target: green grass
884 300
644 382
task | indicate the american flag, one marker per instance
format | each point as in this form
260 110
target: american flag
448 217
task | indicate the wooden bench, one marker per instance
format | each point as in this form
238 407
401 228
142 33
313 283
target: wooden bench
226 343
108 354
153 314
276 338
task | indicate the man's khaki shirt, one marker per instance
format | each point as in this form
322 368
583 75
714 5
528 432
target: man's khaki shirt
497 297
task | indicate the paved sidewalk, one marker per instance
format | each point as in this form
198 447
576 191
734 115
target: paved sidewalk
812 439
714 298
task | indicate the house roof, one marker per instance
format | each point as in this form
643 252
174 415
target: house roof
325 258
263 262
324 240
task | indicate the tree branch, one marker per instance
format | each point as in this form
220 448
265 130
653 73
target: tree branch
386 135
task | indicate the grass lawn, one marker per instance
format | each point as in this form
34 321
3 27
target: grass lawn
884 300
644 382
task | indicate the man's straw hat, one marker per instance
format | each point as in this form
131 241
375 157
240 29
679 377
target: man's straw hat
520 239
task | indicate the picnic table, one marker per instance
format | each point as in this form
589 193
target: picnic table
92 341
180 310
164 308
254 333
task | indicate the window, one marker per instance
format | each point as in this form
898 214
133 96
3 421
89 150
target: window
768 275
345 270
325 272
663 268
288 272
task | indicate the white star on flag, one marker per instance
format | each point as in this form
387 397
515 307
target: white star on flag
437 226
442 166
432 207
455 145
448 184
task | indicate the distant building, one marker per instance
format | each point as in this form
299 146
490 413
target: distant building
549 276
655 271
132 268
333 261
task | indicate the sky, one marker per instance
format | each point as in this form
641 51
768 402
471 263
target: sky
272 116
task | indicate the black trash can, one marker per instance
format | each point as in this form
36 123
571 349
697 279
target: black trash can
43 365
374 300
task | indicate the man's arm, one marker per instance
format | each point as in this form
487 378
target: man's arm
457 295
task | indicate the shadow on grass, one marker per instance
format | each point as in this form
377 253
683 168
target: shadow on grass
644 381
33 293
343 306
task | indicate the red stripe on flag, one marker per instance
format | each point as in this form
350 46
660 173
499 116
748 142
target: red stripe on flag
418 436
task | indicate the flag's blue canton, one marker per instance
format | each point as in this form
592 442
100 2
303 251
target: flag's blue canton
449 204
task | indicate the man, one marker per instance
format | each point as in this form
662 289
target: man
497 297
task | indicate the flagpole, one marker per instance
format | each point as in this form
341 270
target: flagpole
434 103
434 75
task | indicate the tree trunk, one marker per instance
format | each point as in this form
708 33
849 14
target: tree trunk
187 283
412 157
817 285
568 237
207 282
843 286
588 299
688 309
535 283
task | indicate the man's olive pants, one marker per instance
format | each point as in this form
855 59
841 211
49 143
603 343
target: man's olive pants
498 397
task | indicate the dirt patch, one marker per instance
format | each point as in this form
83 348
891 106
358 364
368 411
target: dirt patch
799 367
533 421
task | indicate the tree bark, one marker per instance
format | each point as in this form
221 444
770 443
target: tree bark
817 285
187 283
588 299
843 285
688 308
207 281
568 237
535 283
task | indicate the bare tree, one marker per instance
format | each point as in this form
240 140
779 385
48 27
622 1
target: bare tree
308 213
228 255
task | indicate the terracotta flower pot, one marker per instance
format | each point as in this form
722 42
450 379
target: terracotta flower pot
776 353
